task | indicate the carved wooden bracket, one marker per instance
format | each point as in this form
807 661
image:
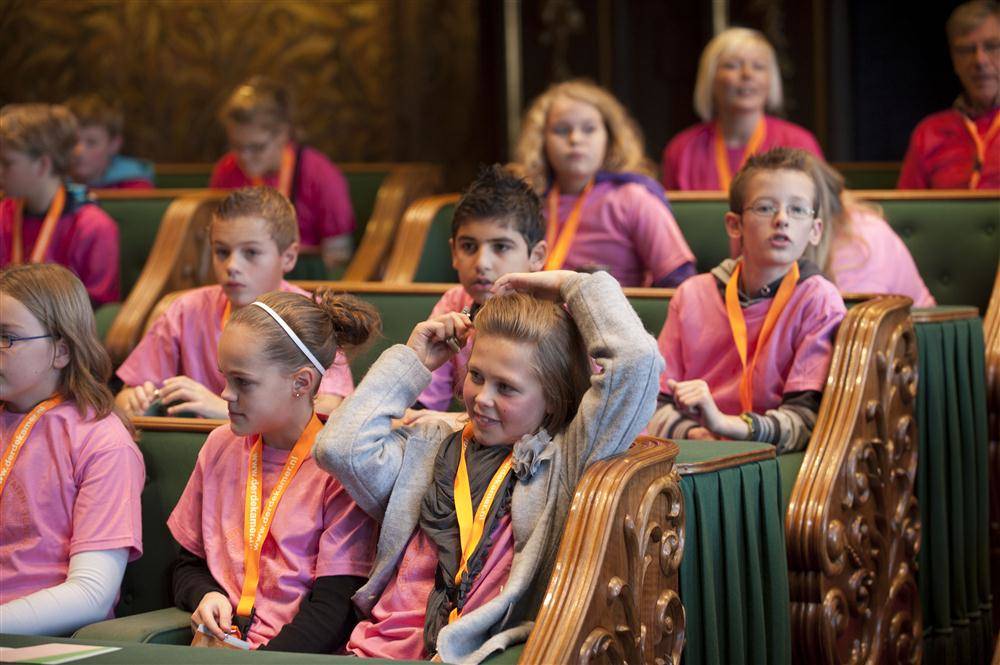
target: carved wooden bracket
613 594
853 527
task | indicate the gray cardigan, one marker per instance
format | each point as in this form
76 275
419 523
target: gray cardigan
387 471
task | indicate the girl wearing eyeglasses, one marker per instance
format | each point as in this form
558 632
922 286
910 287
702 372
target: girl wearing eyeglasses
748 345
70 475
258 122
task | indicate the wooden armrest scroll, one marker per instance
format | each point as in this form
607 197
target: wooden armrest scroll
178 260
853 527
613 593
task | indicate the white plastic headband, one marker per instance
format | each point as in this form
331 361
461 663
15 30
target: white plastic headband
291 333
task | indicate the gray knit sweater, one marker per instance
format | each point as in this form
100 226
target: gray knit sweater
387 471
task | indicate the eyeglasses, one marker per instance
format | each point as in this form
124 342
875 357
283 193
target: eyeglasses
768 210
7 341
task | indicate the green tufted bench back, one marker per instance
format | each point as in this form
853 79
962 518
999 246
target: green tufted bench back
170 457
138 222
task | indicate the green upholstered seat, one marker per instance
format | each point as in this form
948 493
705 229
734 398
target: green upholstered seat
138 222
703 227
197 176
400 313
104 316
435 260
870 175
363 187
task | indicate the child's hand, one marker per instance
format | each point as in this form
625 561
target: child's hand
700 433
214 611
694 400
455 419
546 284
429 340
185 394
136 399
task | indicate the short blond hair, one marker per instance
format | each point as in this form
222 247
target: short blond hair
40 130
92 111
968 16
259 101
723 43
625 151
268 204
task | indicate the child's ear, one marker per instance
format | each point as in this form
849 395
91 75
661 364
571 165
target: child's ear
115 144
536 257
304 380
61 357
289 257
816 233
734 225
43 166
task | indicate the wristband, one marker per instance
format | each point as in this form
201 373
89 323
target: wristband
748 419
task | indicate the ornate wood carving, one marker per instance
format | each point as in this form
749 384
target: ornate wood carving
991 333
852 527
613 594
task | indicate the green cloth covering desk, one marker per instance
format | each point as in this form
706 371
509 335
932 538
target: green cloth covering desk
954 573
734 574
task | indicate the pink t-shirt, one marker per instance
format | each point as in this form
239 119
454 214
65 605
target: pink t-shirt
697 343
321 197
625 230
317 529
85 240
185 341
449 377
942 152
689 158
875 260
75 487
396 628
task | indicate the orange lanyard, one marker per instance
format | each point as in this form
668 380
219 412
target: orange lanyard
257 517
980 142
44 236
284 175
558 249
470 529
21 435
226 312
722 155
738 325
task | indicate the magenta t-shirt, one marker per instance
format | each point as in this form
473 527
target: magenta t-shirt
449 377
321 197
395 629
875 260
184 340
697 343
317 529
942 152
625 230
689 158
85 240
75 487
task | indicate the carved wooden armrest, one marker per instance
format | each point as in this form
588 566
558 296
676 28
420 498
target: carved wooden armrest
614 588
853 527
178 260
404 259
404 184
991 335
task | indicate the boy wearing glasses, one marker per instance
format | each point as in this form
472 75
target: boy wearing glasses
748 345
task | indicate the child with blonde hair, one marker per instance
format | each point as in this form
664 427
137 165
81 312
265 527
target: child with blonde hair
42 218
254 242
70 476
96 159
273 548
263 151
442 586
603 211
748 345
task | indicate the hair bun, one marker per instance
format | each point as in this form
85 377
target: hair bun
354 321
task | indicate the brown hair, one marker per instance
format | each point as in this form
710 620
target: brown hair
40 130
266 203
968 16
92 111
259 101
625 150
497 193
59 301
324 324
561 363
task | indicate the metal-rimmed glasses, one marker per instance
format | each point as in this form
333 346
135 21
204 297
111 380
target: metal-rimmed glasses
7 341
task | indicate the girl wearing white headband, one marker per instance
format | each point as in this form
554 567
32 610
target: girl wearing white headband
273 548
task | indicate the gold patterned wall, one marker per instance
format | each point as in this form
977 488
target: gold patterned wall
374 80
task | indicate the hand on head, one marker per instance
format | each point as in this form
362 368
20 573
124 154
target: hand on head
429 340
546 285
